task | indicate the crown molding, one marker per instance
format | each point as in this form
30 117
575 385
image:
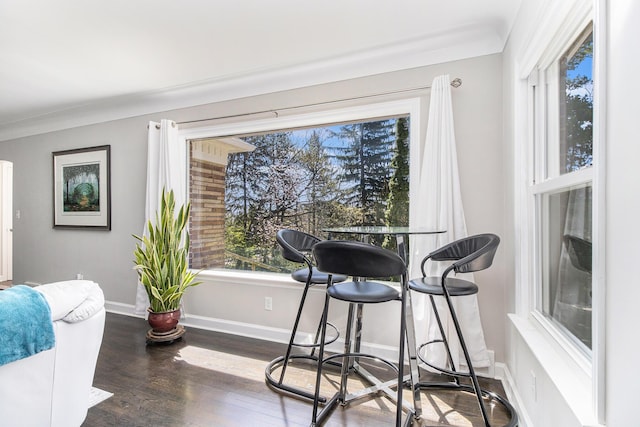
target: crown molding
457 44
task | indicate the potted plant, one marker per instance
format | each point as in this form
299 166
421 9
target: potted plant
161 261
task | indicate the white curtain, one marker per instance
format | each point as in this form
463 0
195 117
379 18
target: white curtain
166 168
439 206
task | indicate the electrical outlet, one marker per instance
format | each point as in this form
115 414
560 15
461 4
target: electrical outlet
79 276
268 303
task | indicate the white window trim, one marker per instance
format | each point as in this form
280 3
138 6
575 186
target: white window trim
599 219
563 182
562 22
410 106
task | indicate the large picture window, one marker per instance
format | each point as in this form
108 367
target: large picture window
308 180
561 186
310 172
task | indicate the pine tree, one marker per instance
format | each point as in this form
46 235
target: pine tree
365 162
320 186
578 111
397 212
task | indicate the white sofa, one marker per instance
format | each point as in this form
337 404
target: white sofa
51 388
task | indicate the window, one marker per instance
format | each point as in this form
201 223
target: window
561 99
309 172
353 173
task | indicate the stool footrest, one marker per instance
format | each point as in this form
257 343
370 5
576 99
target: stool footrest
280 386
362 355
446 371
334 337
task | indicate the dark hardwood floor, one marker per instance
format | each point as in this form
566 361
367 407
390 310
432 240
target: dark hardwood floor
214 379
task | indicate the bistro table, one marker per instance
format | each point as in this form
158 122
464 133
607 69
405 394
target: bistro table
402 238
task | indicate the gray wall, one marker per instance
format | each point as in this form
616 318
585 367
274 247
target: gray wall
43 254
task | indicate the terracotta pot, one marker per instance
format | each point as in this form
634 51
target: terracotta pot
163 322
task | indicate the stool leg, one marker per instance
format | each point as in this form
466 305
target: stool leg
316 398
295 328
358 331
403 328
347 363
444 337
316 338
412 346
472 374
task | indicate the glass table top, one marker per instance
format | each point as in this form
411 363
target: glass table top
376 229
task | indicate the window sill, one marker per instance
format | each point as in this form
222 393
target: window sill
255 278
570 379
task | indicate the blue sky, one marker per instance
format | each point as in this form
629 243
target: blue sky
585 68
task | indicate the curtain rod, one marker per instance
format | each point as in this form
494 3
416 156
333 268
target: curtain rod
457 82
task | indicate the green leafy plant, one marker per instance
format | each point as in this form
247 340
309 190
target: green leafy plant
161 258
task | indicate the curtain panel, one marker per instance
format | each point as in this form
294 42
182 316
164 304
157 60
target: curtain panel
166 168
439 206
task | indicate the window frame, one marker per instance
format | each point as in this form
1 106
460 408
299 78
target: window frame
545 179
563 23
281 122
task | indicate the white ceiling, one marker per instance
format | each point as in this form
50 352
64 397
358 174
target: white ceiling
65 57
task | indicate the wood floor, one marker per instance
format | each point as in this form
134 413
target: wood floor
214 379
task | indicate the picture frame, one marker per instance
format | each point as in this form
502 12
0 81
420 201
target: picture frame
82 188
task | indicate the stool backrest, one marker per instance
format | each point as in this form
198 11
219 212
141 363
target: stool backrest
357 259
473 253
580 252
296 244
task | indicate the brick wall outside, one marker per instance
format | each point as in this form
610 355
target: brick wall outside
206 224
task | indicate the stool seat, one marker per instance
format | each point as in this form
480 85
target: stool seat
317 277
432 286
363 292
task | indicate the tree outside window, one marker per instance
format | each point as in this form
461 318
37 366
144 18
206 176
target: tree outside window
337 175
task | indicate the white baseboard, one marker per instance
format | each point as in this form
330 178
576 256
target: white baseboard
487 371
504 375
277 335
282 335
254 331
120 308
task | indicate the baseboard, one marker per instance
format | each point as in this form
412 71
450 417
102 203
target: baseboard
494 370
120 308
277 335
32 284
254 331
487 371
504 375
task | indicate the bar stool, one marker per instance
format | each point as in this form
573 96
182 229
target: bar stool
469 254
360 260
580 252
295 246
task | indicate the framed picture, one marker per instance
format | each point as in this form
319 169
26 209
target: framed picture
82 189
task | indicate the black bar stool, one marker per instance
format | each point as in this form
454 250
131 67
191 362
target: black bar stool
360 260
469 254
580 252
296 246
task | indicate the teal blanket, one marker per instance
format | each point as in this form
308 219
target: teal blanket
25 324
